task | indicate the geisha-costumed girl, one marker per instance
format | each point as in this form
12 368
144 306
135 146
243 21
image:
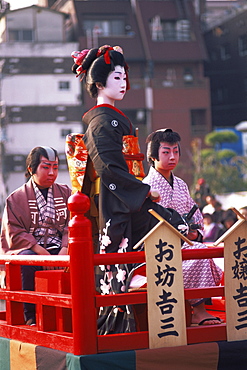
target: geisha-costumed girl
124 200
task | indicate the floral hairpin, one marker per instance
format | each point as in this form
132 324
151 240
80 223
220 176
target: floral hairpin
78 57
118 48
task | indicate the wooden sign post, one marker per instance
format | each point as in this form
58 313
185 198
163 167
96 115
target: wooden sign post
235 276
165 290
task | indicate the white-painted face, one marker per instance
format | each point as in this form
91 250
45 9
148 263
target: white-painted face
115 88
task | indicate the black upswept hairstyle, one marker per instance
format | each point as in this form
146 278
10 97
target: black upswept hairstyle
160 136
33 159
97 64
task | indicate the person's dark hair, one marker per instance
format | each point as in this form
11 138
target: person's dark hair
160 136
33 159
96 64
229 215
208 215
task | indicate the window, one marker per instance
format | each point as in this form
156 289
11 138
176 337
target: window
65 132
245 85
188 76
170 30
157 29
245 88
13 70
14 60
198 122
104 27
242 45
15 109
225 52
220 95
170 77
183 30
16 119
60 108
213 55
58 60
64 85
21 35
58 70
61 118
14 163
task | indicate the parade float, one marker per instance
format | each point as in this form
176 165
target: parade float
65 335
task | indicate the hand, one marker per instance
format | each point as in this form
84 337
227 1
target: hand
192 235
39 250
183 229
42 251
63 251
154 195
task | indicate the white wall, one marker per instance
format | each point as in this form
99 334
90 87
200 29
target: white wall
39 90
48 25
21 138
20 19
29 49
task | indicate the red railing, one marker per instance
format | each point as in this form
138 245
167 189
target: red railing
54 307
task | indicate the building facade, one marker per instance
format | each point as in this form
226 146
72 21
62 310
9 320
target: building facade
40 98
226 42
165 51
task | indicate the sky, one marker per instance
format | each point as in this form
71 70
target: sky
15 4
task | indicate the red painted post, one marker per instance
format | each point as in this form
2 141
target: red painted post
82 276
14 310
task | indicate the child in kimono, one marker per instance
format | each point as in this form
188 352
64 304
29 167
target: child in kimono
35 218
123 199
163 153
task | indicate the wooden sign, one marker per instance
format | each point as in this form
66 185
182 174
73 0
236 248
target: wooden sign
166 308
235 270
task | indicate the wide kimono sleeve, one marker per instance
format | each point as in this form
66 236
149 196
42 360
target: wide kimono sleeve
15 234
104 142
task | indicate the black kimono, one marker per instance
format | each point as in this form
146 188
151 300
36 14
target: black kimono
123 208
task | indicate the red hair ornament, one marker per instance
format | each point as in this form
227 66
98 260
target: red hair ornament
78 57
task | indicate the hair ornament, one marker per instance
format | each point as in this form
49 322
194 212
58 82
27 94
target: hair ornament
118 48
105 50
102 49
78 57
80 70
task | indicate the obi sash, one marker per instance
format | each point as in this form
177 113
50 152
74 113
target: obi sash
77 156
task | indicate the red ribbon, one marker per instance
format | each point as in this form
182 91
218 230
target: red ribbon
107 57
